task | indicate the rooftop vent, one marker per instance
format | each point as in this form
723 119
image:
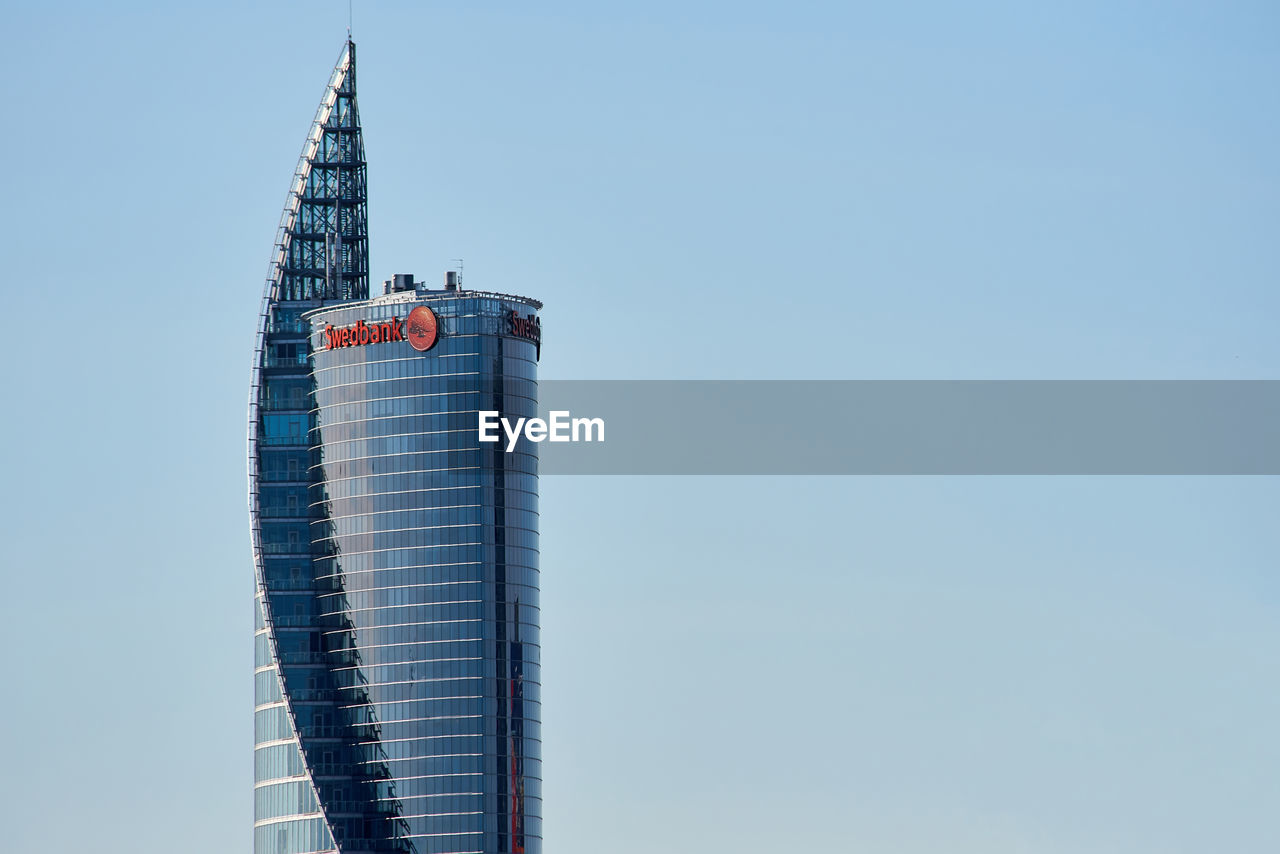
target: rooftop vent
397 283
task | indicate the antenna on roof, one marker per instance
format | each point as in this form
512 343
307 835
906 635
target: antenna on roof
349 20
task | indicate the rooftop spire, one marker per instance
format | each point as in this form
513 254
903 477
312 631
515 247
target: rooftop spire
322 246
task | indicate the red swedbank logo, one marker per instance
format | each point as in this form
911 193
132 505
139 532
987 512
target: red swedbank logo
361 333
421 328
528 327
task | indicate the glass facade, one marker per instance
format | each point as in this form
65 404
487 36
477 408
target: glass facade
397 686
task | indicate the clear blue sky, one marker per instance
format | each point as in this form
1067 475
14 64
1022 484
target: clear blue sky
696 190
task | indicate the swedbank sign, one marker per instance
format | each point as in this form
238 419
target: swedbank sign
528 327
420 329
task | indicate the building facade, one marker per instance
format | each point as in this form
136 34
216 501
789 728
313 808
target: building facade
397 703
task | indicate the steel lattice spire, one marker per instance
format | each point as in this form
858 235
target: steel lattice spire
322 245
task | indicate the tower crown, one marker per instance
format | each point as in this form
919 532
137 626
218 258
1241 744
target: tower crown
322 244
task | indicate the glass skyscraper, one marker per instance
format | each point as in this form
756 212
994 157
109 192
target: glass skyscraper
397 650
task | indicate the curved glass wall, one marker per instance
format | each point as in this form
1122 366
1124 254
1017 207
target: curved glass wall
427 558
396 679
320 256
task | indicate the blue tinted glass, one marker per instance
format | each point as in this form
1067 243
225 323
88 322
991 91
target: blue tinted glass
400 608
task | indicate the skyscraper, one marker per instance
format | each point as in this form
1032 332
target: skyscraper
396 674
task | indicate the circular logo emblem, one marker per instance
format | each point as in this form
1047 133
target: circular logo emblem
420 328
